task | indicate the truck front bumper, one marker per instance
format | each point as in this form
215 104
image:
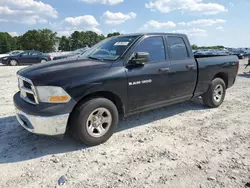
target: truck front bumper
44 118
51 125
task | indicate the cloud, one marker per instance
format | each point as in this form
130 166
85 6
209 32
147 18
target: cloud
202 22
192 32
220 28
31 20
196 6
231 4
104 2
155 25
3 20
13 34
37 7
117 18
26 11
86 22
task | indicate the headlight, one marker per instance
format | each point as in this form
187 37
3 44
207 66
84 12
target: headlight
5 58
52 94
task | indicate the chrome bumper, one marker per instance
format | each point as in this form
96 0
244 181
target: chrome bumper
51 125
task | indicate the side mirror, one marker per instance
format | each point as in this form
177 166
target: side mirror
139 58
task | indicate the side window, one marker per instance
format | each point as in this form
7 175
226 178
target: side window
34 53
25 53
154 46
177 48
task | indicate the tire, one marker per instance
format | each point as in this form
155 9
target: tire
215 94
13 62
94 121
43 61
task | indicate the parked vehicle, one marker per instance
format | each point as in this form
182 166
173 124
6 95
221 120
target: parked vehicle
10 53
119 76
26 58
74 54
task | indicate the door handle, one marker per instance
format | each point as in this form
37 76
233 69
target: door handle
164 69
191 67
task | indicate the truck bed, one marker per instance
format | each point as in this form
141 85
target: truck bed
226 66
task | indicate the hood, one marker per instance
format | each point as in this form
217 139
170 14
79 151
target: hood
3 55
54 71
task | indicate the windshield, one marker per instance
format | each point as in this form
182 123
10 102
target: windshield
14 52
110 49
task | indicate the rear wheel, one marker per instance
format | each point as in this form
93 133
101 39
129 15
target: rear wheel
215 95
13 62
93 122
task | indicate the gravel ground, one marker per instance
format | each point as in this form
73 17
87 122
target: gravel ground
184 145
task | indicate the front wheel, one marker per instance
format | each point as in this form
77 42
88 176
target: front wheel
215 94
94 122
13 62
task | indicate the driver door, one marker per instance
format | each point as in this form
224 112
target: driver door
148 83
24 57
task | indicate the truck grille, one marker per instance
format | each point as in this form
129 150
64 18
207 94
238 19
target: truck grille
27 90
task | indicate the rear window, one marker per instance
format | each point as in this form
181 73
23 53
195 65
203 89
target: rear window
177 47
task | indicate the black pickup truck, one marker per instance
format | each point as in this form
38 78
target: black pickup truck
118 77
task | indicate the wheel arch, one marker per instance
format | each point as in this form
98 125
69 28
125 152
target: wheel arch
223 76
105 94
13 59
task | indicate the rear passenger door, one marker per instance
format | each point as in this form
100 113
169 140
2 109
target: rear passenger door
183 68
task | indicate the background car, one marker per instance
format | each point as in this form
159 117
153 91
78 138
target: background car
73 54
10 53
26 58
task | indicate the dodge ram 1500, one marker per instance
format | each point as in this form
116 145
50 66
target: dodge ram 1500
117 77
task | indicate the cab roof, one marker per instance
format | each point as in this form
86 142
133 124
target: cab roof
141 34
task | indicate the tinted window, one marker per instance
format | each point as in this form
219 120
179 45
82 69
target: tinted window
154 46
177 48
25 53
34 53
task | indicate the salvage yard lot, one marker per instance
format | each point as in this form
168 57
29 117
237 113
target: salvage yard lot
184 145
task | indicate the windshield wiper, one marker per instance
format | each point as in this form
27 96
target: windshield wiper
95 58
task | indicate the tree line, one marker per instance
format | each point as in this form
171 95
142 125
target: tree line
46 40
195 47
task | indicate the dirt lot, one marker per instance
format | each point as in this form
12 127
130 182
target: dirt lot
185 145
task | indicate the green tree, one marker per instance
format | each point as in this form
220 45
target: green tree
83 39
113 34
75 40
42 40
64 44
5 42
48 40
194 47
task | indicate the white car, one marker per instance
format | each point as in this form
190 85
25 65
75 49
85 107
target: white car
11 53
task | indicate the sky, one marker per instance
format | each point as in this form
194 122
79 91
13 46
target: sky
206 22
